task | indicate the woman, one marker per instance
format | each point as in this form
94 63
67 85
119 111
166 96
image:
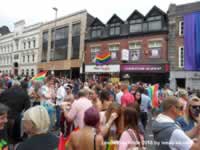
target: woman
137 96
36 124
87 137
191 118
131 138
3 121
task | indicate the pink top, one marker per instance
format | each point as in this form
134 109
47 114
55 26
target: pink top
78 109
126 141
127 98
184 102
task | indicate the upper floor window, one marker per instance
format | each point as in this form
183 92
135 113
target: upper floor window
23 58
32 72
96 31
135 49
28 58
34 44
154 23
114 51
135 26
181 28
155 49
115 29
181 57
94 51
24 45
29 44
33 57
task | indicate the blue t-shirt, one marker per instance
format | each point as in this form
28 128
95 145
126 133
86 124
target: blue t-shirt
185 125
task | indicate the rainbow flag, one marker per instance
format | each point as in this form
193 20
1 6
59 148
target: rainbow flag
102 59
153 94
40 76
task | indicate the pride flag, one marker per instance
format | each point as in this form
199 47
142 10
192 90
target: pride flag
40 76
153 94
102 59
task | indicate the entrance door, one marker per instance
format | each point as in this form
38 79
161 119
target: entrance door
180 82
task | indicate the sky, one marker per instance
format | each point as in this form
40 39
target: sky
34 11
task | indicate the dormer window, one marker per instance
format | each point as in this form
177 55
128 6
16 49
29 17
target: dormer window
135 26
115 29
154 23
96 31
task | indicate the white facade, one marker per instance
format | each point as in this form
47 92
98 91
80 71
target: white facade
19 49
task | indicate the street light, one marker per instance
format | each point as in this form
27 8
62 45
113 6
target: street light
54 42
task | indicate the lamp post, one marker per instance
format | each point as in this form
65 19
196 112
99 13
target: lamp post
54 42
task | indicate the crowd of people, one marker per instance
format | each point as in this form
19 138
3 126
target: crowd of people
95 115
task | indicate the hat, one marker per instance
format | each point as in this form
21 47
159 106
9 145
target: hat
68 86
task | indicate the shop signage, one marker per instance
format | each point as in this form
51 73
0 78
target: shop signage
141 68
102 68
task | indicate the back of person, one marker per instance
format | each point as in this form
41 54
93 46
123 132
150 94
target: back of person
40 142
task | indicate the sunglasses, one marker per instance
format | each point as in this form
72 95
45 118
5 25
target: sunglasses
180 108
195 107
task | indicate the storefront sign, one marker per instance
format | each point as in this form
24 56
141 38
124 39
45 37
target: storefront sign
125 55
145 68
102 68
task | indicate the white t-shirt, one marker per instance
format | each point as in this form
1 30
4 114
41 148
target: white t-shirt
178 140
118 97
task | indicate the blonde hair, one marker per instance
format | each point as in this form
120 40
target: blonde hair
39 116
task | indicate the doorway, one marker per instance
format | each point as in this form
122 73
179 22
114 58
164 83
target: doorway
180 82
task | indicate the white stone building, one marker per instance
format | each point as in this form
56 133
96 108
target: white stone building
19 49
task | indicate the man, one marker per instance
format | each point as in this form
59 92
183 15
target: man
167 134
3 121
76 113
127 97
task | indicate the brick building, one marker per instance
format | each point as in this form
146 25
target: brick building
138 47
179 76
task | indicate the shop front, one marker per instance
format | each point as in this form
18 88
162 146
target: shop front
148 73
102 72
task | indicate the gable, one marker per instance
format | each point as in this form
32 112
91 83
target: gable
115 19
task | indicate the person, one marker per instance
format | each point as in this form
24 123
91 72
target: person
3 120
36 123
167 134
127 97
78 107
190 118
137 96
87 138
167 91
183 98
131 138
18 101
94 97
118 92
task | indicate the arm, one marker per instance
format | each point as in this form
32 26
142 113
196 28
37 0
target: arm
100 142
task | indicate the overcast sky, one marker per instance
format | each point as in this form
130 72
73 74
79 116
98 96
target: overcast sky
34 11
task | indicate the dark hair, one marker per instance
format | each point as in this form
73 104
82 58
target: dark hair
3 109
131 120
91 117
138 100
104 95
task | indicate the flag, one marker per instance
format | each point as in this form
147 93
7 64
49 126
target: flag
153 94
40 76
102 59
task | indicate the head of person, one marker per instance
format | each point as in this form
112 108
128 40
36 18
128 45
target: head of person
183 94
3 115
50 80
68 88
83 93
91 117
137 96
172 107
124 86
36 121
105 98
93 95
193 109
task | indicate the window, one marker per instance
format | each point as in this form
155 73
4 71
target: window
181 57
75 41
34 44
96 31
135 49
114 51
154 23
22 71
181 28
29 44
23 58
155 49
135 26
33 57
27 72
32 72
44 46
28 58
94 51
24 45
115 29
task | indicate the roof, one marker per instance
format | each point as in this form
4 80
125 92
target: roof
115 19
